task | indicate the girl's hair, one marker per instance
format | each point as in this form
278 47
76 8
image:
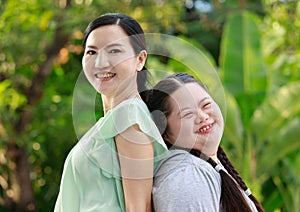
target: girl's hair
232 198
136 36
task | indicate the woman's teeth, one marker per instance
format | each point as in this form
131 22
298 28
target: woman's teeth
205 128
107 75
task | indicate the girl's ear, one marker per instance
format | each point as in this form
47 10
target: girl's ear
165 137
141 60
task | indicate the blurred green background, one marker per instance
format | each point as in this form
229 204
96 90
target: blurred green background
253 45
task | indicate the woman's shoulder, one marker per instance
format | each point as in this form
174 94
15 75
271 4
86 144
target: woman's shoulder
131 104
129 112
134 112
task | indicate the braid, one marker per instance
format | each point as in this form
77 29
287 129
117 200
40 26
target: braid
232 171
232 198
229 167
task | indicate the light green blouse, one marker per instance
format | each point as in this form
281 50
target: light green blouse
91 176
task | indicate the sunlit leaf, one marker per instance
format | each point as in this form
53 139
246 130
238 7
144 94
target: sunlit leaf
275 110
241 58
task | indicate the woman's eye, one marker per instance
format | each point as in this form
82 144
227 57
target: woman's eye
90 52
114 51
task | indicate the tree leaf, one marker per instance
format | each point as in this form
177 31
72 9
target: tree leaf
233 126
269 118
241 58
285 141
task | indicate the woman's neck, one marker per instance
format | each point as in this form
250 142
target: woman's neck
109 102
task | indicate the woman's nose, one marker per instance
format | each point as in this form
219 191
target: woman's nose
102 60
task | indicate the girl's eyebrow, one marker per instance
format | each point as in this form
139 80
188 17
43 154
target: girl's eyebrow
183 109
202 100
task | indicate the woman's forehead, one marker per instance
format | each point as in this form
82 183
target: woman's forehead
108 34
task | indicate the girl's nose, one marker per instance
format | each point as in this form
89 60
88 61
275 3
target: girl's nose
102 60
201 116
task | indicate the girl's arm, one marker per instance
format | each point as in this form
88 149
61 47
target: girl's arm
136 152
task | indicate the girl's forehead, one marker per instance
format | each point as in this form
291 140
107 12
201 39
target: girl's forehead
189 92
188 95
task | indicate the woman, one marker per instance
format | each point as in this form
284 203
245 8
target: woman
196 175
111 167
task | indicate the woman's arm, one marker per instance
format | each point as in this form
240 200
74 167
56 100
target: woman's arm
136 152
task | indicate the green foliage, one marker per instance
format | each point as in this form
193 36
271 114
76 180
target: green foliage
241 59
267 113
258 65
242 65
10 97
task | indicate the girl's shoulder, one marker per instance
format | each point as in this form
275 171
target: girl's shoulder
182 162
182 177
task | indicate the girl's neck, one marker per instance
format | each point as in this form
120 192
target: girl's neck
200 154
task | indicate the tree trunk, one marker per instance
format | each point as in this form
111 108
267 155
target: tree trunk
16 182
19 196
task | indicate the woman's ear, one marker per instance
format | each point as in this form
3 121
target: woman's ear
141 60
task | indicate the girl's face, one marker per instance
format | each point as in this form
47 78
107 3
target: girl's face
195 120
109 62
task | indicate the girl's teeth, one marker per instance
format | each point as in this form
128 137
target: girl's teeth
205 128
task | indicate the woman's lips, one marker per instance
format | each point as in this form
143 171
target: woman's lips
105 76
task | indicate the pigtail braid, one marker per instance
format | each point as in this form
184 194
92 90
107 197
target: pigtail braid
232 171
232 198
229 167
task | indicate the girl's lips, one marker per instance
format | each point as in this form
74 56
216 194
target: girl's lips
205 129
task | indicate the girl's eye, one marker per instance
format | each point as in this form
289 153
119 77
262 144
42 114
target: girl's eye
187 115
207 105
90 52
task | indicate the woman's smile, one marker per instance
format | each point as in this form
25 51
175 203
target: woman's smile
105 76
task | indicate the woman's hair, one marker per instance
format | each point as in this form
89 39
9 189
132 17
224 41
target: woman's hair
136 36
231 196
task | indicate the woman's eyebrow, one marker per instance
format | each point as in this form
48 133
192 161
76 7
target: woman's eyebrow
91 47
111 45
106 47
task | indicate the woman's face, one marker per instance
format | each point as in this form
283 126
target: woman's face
109 62
195 120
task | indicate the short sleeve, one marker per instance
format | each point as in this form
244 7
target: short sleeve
99 142
136 112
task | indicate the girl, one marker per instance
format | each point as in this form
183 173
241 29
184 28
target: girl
111 167
196 175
